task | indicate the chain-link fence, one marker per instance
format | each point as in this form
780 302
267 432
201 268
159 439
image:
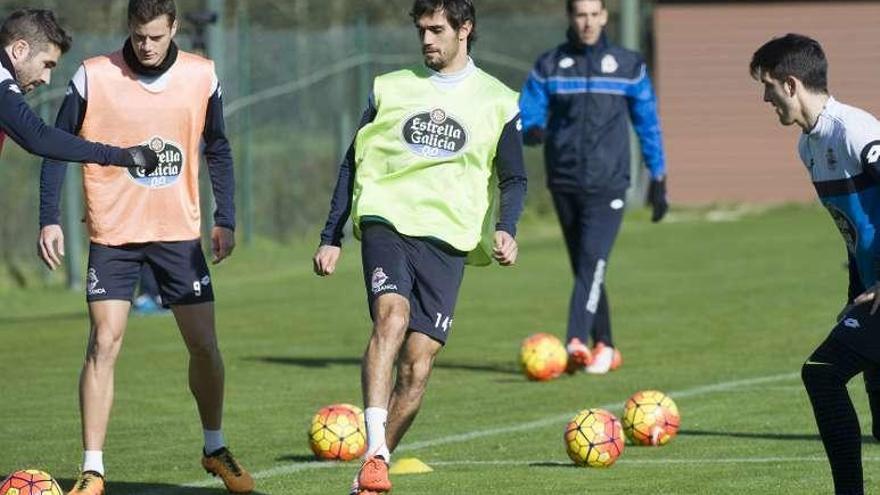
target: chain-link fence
293 96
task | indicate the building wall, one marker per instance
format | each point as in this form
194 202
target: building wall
724 144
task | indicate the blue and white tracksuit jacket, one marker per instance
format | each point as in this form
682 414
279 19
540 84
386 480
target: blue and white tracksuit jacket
581 97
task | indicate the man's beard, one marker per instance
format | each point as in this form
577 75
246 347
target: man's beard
437 60
436 64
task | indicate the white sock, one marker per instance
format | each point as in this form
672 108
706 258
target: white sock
375 417
213 441
93 460
354 484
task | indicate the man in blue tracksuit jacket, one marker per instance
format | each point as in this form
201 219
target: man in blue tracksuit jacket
578 101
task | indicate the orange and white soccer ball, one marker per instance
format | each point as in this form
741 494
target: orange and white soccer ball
542 357
650 418
30 482
594 438
338 433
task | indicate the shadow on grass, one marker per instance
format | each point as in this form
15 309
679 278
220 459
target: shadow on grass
319 363
804 437
146 488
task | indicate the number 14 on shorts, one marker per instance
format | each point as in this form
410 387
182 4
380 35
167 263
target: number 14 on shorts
443 322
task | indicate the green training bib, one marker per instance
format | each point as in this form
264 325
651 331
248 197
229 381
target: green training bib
426 162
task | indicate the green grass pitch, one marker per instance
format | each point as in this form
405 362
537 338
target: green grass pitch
718 314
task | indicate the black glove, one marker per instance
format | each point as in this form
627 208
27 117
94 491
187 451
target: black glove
657 199
143 157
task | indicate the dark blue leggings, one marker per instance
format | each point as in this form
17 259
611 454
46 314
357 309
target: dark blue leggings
825 376
590 223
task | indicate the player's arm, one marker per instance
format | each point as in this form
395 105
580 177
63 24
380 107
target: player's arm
218 155
513 183
329 250
534 102
643 115
50 245
29 131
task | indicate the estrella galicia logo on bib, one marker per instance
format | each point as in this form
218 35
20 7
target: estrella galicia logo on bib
170 164
846 227
434 134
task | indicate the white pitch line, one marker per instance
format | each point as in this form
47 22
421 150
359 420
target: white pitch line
702 460
540 423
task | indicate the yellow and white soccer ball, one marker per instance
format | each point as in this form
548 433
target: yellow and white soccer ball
594 438
542 357
650 417
338 433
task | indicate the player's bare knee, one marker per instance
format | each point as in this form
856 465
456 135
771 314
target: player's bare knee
390 306
105 344
206 351
391 322
414 374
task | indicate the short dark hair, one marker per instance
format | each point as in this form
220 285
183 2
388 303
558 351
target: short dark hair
793 55
36 26
458 12
569 5
144 11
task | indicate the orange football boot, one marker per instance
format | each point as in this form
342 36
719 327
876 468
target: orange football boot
579 356
603 357
373 477
223 465
88 483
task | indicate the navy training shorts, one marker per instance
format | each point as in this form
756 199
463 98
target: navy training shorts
180 268
424 271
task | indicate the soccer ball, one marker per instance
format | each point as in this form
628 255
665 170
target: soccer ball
594 438
30 482
338 433
650 418
542 357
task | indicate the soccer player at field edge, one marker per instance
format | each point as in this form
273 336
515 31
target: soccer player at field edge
840 147
148 92
576 102
435 145
33 41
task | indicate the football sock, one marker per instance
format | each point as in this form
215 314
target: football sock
93 460
825 376
214 441
375 418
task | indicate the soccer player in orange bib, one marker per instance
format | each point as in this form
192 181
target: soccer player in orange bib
149 93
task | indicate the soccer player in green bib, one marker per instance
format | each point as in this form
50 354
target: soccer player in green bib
434 179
